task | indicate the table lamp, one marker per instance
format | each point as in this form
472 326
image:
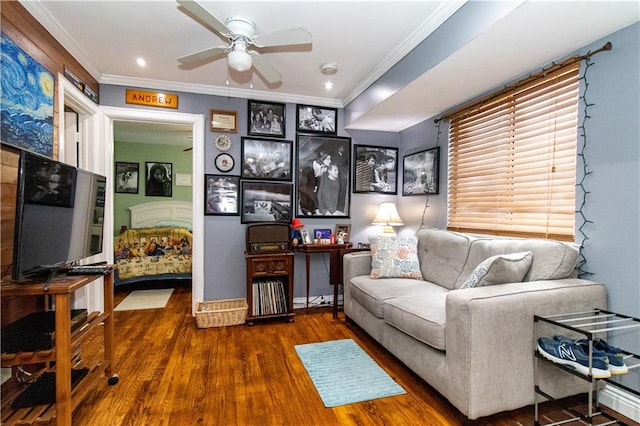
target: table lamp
388 217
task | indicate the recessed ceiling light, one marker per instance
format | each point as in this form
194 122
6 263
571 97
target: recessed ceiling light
141 62
328 85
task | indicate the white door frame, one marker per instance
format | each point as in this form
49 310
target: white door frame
196 121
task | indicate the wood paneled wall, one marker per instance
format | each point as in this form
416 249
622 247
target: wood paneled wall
25 31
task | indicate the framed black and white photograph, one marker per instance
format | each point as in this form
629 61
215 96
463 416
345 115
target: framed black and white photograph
266 159
127 177
266 119
266 202
420 172
158 179
313 119
306 238
221 195
375 169
323 176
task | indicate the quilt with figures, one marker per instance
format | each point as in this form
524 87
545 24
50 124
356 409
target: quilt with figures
152 253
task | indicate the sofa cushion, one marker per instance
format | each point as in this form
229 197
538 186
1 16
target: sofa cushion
372 293
394 257
422 317
442 255
551 260
500 269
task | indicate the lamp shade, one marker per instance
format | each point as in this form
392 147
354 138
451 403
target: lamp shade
388 217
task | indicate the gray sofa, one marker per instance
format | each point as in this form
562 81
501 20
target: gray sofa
473 345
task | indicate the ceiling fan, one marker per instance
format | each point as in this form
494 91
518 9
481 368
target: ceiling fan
241 35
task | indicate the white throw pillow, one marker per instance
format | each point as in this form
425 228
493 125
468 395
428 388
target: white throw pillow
394 257
500 269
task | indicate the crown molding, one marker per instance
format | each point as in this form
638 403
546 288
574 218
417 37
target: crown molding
204 89
38 11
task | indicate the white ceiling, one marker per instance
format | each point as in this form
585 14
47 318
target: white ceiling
365 39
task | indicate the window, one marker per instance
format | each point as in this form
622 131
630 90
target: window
512 159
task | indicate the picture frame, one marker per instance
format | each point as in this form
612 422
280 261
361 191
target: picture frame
266 159
316 155
306 238
421 172
321 234
375 169
266 202
127 177
266 119
344 230
27 109
223 121
158 179
314 119
221 195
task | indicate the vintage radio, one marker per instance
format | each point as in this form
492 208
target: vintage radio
268 238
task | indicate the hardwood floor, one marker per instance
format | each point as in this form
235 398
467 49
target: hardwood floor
172 373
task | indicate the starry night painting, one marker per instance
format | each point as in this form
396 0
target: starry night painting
26 101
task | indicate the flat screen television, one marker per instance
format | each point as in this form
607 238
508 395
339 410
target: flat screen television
59 216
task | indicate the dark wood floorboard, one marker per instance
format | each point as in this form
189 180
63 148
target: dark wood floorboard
173 373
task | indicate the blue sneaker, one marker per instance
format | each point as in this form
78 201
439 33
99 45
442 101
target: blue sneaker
614 355
601 348
567 352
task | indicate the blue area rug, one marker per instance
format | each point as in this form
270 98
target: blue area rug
343 373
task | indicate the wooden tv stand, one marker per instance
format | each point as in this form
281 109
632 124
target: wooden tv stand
61 288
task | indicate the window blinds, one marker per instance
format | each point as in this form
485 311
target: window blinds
512 161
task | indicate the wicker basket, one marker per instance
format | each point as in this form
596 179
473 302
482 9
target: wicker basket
220 313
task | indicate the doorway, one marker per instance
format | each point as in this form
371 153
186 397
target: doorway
112 116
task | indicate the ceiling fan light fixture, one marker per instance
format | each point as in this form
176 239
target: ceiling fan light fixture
240 60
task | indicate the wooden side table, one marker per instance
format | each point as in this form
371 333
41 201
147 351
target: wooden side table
309 249
335 267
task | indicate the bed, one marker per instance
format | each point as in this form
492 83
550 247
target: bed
158 244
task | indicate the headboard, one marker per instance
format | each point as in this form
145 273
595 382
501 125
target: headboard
146 215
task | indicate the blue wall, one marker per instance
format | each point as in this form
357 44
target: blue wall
224 235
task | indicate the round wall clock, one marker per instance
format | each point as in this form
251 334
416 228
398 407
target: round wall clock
224 162
223 143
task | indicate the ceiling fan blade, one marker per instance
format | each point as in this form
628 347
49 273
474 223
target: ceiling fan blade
264 68
205 17
203 55
283 38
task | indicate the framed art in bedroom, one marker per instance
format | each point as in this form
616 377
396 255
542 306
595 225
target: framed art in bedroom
158 178
127 177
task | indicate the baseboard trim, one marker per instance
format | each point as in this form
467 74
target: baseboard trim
620 401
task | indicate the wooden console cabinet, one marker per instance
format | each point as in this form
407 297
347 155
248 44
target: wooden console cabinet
269 286
62 357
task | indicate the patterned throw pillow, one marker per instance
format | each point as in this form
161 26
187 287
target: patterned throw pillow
394 257
500 269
